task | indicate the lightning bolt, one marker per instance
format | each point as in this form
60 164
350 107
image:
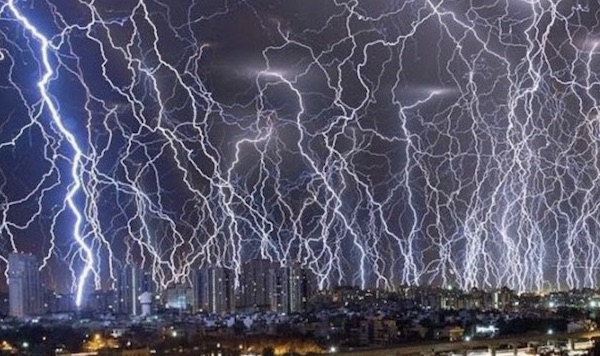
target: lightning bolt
76 159
379 145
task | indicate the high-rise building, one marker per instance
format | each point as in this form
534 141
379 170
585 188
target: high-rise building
131 283
101 301
24 286
59 303
290 288
267 286
302 287
503 299
214 290
263 286
257 285
280 281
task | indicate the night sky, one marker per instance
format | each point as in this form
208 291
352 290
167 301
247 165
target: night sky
377 143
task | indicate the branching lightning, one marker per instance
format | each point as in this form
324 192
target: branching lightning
75 186
377 143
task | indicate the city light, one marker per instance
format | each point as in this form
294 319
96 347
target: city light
6 346
489 329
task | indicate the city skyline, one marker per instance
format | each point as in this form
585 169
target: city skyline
263 287
375 144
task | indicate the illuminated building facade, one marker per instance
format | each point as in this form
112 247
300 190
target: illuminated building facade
25 287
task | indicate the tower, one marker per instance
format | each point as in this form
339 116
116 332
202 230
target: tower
146 302
25 287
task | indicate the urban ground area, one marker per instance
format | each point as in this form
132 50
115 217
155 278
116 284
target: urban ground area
280 311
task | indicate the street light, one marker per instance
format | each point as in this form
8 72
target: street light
550 331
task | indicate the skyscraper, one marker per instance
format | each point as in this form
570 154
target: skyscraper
302 287
268 286
132 282
25 287
257 285
278 289
214 290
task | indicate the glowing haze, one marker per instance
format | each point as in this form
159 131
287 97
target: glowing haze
378 143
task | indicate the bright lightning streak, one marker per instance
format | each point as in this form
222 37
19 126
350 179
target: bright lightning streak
376 143
77 157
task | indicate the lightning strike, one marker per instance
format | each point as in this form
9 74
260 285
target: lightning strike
377 144
76 160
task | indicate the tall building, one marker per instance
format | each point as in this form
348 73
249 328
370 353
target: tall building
24 286
101 301
269 287
59 303
214 290
256 285
131 283
503 299
302 287
280 281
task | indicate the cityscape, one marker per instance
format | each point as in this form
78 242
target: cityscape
261 177
279 310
